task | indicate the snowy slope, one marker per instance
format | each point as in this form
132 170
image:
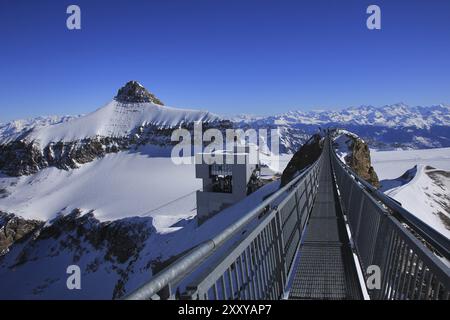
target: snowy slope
116 186
144 182
42 275
392 164
13 130
406 175
118 120
427 196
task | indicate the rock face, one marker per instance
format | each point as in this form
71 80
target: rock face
359 160
14 229
304 157
21 157
112 247
134 92
22 154
121 240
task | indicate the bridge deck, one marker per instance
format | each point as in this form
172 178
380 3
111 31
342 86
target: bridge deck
325 267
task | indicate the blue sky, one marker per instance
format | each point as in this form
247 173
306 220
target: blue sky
226 56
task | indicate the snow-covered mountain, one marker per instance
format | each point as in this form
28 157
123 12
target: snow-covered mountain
17 129
391 116
386 127
121 209
135 117
119 118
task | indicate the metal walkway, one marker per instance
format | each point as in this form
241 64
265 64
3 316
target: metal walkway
325 266
296 241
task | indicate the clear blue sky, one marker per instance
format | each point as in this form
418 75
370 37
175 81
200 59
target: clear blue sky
226 56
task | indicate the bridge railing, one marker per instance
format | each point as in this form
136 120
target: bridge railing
255 266
409 269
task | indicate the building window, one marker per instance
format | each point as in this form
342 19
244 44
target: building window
222 184
220 170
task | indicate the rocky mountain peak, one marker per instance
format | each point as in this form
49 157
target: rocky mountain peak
355 153
359 160
305 156
134 92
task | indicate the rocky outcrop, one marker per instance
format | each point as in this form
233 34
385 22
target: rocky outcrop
359 160
304 157
20 158
134 92
81 239
121 239
14 229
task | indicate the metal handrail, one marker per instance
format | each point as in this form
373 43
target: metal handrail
389 239
409 269
187 264
436 239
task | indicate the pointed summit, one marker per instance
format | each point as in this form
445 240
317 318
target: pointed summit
134 92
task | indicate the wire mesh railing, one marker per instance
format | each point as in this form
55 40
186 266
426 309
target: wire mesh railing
409 269
253 267
257 264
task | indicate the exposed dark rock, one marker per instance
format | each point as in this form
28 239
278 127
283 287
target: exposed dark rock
14 229
359 160
117 244
444 218
304 157
133 92
22 157
121 239
254 183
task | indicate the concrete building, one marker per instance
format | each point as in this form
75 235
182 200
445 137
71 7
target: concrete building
225 181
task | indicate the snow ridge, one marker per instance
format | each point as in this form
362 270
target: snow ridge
116 119
426 195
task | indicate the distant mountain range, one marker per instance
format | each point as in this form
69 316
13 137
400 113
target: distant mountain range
137 117
396 116
392 116
386 127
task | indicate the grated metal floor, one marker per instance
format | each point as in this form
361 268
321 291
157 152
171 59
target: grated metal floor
324 267
322 274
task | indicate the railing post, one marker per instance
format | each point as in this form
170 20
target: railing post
281 265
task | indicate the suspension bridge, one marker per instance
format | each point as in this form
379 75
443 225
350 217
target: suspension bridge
328 234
